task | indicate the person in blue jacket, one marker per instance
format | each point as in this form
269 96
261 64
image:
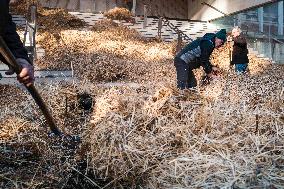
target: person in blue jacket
12 39
196 54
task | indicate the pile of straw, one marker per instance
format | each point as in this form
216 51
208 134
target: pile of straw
107 55
20 7
50 20
30 157
58 19
118 13
228 134
104 24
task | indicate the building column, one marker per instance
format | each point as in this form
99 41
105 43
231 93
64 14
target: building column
280 18
241 18
260 18
134 7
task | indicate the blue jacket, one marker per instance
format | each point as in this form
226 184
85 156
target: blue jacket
197 53
9 34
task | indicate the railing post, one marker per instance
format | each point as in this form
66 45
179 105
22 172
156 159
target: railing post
260 18
145 16
94 6
280 18
134 7
32 30
179 41
160 25
235 21
269 39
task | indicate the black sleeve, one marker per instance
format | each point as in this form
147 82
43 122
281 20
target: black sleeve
206 50
14 42
11 37
4 15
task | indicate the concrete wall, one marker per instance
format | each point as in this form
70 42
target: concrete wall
197 11
103 5
168 8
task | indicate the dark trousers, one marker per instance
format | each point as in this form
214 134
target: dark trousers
185 75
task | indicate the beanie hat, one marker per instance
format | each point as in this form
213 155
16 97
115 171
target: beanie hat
221 34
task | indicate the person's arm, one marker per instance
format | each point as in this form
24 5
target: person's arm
206 50
17 48
14 42
4 13
9 34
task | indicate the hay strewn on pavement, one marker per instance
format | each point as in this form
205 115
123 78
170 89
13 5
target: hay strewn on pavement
228 134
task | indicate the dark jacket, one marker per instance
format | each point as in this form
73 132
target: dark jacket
197 53
9 34
240 51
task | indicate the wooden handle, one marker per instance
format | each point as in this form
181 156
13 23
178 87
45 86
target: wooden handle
11 61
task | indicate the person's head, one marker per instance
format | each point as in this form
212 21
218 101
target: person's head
220 38
236 31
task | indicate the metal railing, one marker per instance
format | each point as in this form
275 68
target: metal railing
164 21
30 32
176 30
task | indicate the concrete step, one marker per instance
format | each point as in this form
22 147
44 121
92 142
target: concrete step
197 29
261 56
19 20
266 58
49 81
39 74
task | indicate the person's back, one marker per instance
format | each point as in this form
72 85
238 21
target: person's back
196 53
190 51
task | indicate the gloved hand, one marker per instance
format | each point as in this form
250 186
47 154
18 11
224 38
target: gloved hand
215 73
27 74
206 80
